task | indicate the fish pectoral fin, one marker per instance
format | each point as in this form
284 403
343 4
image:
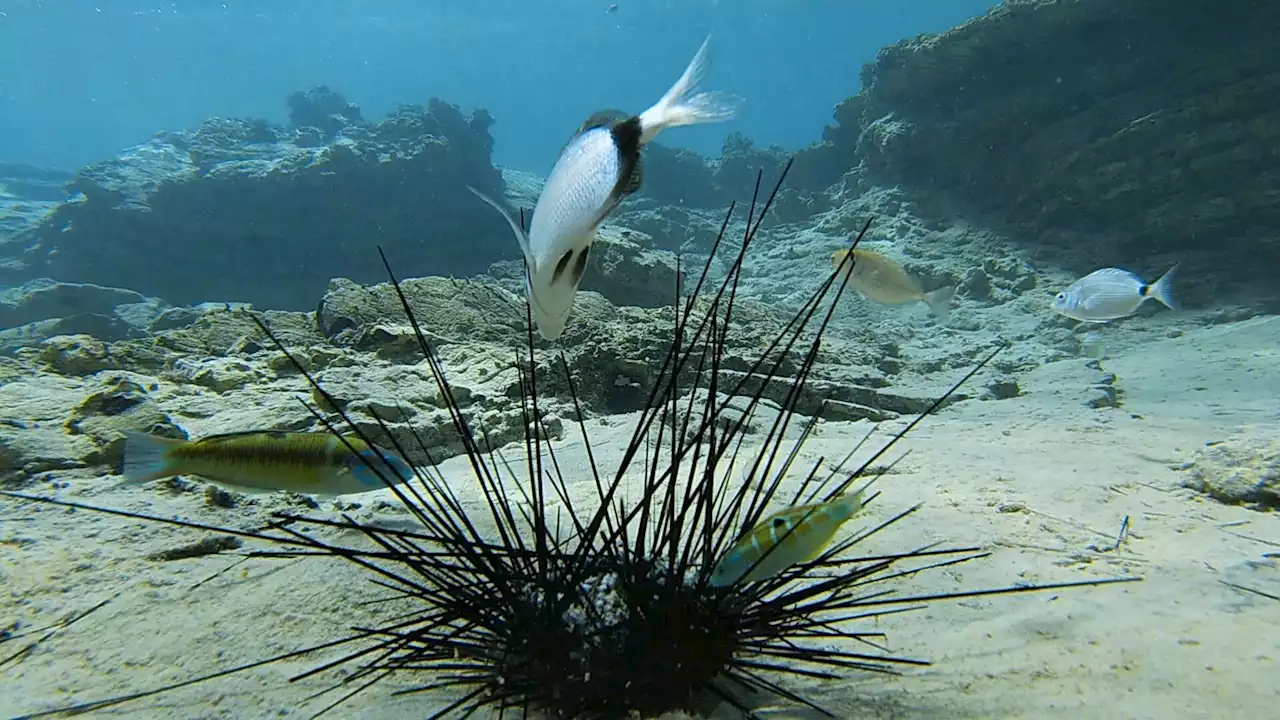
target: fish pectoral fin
247 489
603 118
817 552
522 238
613 202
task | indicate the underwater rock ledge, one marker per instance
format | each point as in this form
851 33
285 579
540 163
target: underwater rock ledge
245 210
1138 128
71 397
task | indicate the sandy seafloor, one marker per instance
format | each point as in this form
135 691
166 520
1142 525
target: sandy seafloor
1042 480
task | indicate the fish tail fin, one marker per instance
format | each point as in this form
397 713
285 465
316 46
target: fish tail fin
522 238
146 458
939 302
1162 290
683 105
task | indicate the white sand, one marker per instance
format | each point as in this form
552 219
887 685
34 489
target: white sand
1042 480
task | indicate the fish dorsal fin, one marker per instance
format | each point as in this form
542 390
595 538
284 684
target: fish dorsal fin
223 437
522 238
603 118
599 119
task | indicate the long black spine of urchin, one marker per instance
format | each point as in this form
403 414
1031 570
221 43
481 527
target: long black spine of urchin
14 633
479 594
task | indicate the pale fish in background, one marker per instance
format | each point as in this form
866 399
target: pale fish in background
265 460
597 169
879 279
1111 294
788 537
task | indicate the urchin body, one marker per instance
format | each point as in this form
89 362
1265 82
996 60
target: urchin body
624 636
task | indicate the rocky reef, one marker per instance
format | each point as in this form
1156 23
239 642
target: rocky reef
243 210
68 399
1004 157
27 196
1101 132
1086 132
35 311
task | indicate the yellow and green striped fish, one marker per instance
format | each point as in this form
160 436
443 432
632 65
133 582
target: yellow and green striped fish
785 538
313 463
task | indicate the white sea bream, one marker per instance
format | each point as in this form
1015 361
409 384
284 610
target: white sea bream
597 169
1111 294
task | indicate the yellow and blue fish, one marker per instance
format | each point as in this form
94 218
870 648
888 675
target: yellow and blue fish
788 537
265 460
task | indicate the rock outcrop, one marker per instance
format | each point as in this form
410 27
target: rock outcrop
35 311
243 210
66 402
684 179
1120 132
626 267
27 196
1242 470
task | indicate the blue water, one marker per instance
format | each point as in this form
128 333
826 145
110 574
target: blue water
82 79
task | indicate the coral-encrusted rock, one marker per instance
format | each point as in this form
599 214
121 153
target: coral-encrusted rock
1146 125
678 177
45 299
324 110
626 269
450 310
120 406
243 210
36 311
741 163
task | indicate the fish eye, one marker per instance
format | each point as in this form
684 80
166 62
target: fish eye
779 523
1060 296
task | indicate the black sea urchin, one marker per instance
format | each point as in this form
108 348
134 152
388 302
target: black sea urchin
603 610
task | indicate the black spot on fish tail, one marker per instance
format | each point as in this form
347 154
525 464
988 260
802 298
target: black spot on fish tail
561 266
626 139
580 267
634 179
1143 290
